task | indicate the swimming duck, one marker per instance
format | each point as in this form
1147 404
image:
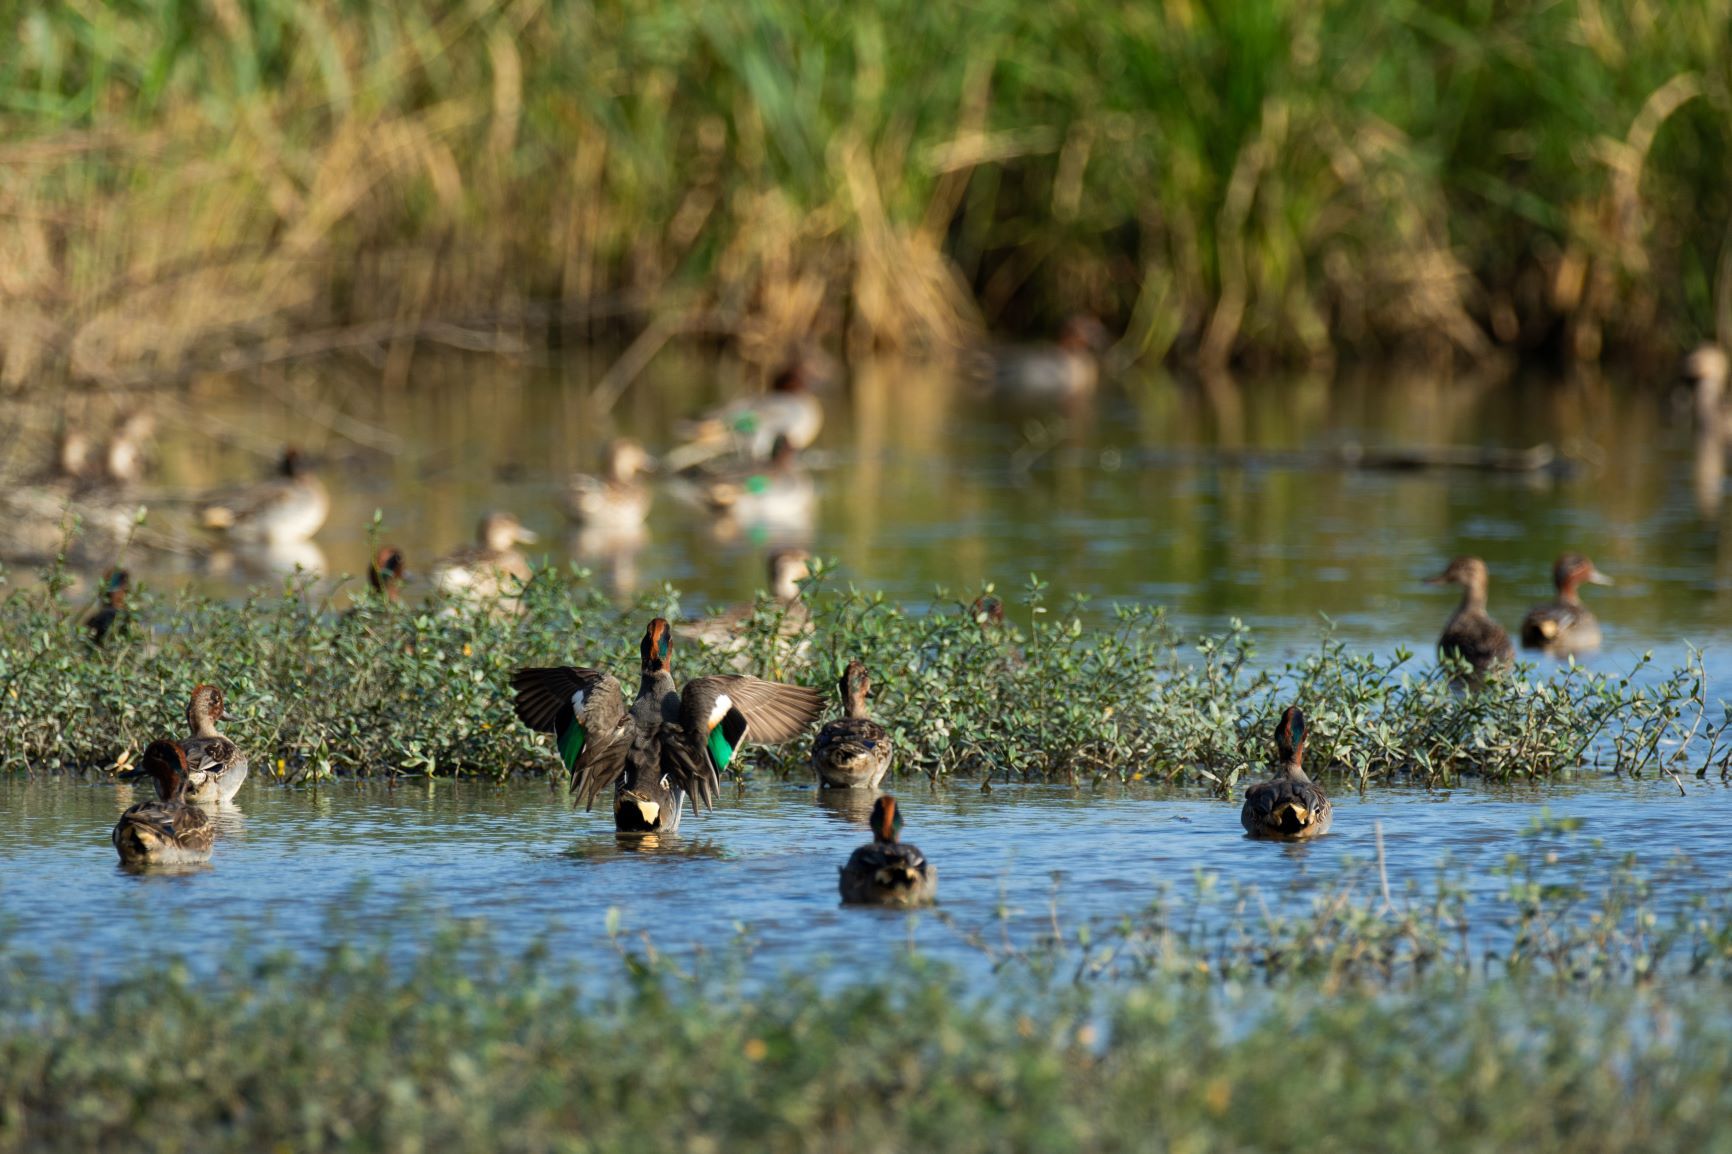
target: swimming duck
1563 625
215 766
1066 371
123 460
112 611
1289 806
1705 371
618 499
385 572
776 499
852 752
492 569
751 425
165 830
284 510
1470 632
888 872
727 631
670 743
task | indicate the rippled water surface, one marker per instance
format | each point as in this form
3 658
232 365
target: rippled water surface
1212 502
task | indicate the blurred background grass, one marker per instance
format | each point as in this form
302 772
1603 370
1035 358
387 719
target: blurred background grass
210 183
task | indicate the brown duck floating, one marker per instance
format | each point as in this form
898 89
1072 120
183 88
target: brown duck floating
888 872
165 830
1564 625
1470 632
1289 806
852 752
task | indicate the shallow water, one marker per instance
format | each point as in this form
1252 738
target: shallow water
1149 496
298 870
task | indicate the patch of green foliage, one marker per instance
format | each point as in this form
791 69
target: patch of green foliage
424 688
455 1044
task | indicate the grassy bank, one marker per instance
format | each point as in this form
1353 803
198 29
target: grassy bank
461 1046
418 688
182 188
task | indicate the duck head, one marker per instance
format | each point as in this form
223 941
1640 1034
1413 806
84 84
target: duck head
1468 572
165 764
1706 369
627 458
787 568
886 821
1574 570
988 612
500 532
658 647
855 687
1290 736
115 587
1083 333
204 709
385 574
292 463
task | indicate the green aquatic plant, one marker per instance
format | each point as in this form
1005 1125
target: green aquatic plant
398 687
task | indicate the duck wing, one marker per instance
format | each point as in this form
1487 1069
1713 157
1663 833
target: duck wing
585 711
772 711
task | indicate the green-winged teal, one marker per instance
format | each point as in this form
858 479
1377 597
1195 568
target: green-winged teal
492 569
618 499
1289 806
1470 632
215 766
1564 625
669 743
1066 371
284 510
888 872
852 752
750 426
165 830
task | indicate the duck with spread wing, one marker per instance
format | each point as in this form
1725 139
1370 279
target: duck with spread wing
669 743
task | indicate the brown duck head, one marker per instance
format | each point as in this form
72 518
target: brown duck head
204 709
658 647
1572 571
886 822
1290 737
385 574
165 764
855 687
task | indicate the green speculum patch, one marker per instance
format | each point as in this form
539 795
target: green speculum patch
571 744
721 749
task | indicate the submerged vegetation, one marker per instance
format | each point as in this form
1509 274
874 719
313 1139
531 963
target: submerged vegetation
400 688
1605 1028
1282 177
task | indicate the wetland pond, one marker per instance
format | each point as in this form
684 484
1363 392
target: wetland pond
1161 494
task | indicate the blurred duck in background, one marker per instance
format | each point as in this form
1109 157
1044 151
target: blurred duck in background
1470 633
491 570
110 616
1065 372
617 500
750 427
1564 625
728 631
776 501
284 509
1705 371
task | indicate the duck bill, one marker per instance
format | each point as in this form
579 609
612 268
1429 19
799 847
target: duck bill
1440 579
1595 577
634 814
526 536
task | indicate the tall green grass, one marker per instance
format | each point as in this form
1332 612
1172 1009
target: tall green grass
1281 177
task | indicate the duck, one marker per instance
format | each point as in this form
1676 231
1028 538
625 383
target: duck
124 458
888 872
164 830
669 744
1564 625
112 611
987 612
385 573
286 509
727 631
215 765
1705 371
750 426
1289 806
492 569
1471 633
775 499
1066 371
617 499
852 752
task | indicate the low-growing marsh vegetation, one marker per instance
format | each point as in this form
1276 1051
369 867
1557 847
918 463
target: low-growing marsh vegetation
1085 696
460 1043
